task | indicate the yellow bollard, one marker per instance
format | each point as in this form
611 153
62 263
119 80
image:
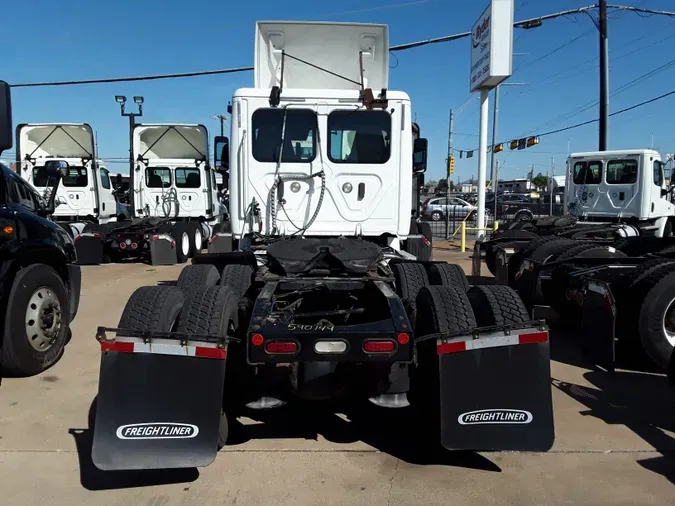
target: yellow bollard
462 243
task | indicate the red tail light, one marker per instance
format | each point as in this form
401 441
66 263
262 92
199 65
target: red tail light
379 346
504 208
123 245
281 347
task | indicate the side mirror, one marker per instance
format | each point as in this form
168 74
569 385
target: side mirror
221 154
5 117
118 180
56 169
420 155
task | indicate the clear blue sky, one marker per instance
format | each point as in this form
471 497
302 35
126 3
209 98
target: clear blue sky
78 39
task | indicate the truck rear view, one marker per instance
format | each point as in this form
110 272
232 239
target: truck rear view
320 299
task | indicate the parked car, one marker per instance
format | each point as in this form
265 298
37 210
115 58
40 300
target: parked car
437 208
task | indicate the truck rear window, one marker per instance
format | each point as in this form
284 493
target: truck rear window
76 177
188 178
359 137
158 177
622 171
587 172
299 135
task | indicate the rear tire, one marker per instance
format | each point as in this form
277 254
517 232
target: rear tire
153 308
213 311
238 277
448 275
656 323
196 276
441 309
497 305
410 278
30 349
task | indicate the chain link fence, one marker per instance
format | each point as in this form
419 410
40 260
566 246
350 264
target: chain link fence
448 225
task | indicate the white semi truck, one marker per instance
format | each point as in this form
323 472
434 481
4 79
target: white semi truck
86 193
173 200
319 298
627 188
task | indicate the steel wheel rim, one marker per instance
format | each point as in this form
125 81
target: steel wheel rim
43 319
198 238
668 323
185 243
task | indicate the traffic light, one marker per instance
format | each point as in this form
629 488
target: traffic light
499 148
513 145
451 165
532 141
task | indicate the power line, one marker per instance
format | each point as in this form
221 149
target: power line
620 89
401 47
578 125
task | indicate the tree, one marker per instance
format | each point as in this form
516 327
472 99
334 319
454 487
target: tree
432 182
540 181
442 185
451 186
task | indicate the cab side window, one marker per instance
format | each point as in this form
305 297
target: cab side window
20 193
658 173
105 178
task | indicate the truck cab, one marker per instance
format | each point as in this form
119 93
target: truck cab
86 192
39 279
625 186
172 177
321 154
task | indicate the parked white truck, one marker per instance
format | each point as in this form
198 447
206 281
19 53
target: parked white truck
319 300
85 194
626 187
173 200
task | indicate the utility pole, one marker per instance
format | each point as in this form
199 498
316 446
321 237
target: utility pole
448 176
550 182
604 75
222 123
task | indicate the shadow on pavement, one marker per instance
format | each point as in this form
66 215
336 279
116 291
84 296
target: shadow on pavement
644 403
93 478
389 431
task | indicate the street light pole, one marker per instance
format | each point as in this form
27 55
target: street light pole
122 100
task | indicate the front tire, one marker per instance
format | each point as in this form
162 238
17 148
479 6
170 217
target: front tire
37 320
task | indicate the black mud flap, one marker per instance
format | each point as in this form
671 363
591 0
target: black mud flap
496 391
159 404
221 242
89 248
502 264
163 250
598 323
